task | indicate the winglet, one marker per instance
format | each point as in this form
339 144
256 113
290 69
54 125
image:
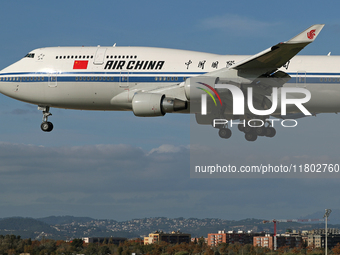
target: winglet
308 35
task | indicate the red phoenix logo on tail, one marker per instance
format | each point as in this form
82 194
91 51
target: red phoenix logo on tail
311 34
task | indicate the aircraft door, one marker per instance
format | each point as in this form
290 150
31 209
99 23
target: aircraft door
99 57
124 79
52 80
301 79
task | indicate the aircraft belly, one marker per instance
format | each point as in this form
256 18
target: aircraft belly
85 96
27 92
324 98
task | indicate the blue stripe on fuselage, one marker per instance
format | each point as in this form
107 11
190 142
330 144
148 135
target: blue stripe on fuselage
144 77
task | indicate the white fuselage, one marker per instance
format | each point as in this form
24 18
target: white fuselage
89 78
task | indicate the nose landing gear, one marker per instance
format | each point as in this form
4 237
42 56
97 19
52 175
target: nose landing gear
46 126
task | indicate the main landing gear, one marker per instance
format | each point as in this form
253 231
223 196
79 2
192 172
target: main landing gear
250 133
224 131
46 126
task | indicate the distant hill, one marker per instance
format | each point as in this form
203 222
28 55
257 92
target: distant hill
18 223
334 217
25 227
69 227
57 220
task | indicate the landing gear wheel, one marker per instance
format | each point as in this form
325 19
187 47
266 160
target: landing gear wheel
248 129
46 126
260 131
270 132
251 137
224 133
240 127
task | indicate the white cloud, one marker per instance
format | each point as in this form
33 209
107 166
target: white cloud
168 148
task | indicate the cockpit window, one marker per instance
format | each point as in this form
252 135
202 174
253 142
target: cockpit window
30 55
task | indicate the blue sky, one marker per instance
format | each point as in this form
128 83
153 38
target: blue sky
114 165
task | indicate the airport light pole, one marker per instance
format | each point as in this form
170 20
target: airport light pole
327 213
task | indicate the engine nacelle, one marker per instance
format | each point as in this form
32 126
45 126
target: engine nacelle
151 105
191 84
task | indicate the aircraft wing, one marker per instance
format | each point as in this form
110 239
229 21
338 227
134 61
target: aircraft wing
271 59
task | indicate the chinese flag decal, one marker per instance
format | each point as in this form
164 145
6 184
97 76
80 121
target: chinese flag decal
80 64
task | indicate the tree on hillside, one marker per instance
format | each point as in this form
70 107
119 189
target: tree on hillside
77 244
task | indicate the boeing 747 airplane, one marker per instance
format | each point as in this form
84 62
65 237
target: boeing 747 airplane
155 81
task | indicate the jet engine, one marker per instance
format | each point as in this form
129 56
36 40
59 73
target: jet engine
191 84
150 104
